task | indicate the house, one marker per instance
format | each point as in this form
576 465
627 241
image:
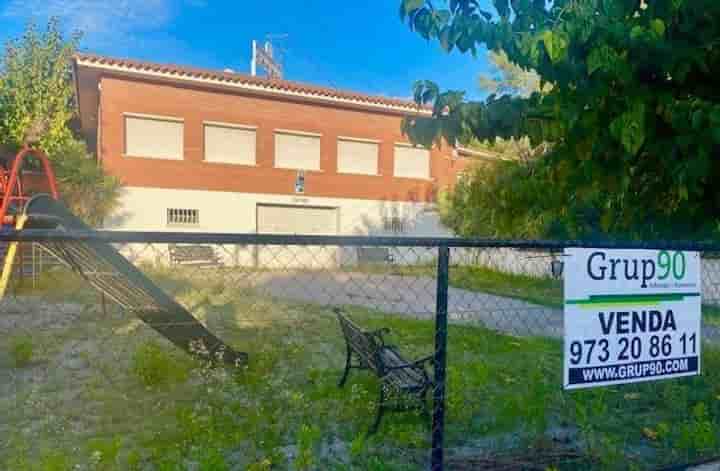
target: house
209 151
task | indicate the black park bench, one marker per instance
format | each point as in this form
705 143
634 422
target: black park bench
196 255
371 255
403 385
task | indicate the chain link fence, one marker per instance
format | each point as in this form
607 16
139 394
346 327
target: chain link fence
455 345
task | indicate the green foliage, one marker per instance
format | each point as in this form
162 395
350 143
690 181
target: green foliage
501 200
154 366
633 114
37 107
509 78
104 453
22 349
37 87
698 433
84 188
307 439
54 460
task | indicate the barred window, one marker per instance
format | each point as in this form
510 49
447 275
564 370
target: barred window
394 224
184 217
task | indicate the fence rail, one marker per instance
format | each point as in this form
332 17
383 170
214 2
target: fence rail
39 235
488 311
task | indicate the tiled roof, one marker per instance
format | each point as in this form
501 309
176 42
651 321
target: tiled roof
231 78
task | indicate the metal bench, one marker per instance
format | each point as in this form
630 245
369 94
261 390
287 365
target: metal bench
197 255
403 385
366 255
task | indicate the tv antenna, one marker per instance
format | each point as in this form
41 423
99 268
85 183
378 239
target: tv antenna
268 56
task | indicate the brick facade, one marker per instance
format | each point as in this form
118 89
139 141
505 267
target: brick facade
194 105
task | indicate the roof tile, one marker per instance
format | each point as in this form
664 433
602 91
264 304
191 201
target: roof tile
271 84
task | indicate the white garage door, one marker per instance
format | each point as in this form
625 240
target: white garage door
272 219
302 220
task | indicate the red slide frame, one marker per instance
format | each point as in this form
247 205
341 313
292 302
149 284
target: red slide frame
13 185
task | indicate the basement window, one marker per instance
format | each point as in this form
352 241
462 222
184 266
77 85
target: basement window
183 217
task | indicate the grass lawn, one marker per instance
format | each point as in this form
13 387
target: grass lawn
542 291
109 393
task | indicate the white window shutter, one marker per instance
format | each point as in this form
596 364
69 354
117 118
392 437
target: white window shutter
411 162
358 157
297 151
229 144
152 137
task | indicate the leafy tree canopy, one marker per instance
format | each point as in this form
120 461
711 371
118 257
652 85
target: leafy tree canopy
633 111
36 105
509 78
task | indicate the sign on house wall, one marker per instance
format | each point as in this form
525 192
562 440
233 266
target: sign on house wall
630 316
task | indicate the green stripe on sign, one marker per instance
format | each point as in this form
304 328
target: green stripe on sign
634 299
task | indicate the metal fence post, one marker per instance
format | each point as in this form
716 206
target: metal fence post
441 310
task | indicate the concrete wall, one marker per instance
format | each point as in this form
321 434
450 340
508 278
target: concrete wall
144 209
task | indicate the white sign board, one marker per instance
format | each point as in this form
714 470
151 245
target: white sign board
630 316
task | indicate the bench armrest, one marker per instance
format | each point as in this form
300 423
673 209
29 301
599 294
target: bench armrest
413 364
379 332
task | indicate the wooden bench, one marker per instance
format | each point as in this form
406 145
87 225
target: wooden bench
403 385
197 255
367 255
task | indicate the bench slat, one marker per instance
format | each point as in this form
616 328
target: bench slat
379 358
193 254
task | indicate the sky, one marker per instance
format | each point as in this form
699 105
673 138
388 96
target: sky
360 46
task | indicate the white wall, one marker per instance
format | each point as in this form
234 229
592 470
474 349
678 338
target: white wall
145 209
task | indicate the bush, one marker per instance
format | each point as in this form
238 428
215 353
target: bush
498 200
155 366
520 199
22 350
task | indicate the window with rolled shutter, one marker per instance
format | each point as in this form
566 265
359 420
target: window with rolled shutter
299 151
230 144
411 162
153 137
357 156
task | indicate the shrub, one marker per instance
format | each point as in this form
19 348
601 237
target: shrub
22 350
155 366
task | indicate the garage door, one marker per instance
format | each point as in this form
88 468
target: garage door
304 220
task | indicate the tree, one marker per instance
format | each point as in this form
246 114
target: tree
509 78
633 114
36 104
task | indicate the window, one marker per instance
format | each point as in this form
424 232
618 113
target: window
297 150
357 156
154 137
228 143
394 224
183 217
411 162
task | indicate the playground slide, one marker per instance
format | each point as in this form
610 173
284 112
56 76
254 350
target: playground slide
9 258
110 273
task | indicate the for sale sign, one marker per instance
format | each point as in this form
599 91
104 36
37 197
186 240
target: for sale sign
630 316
